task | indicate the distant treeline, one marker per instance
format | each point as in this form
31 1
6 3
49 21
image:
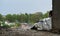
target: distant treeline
24 18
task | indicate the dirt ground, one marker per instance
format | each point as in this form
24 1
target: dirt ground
21 32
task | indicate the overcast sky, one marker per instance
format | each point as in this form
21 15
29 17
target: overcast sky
24 6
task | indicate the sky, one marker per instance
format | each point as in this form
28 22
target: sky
24 6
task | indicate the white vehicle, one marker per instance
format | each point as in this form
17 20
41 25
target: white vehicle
44 24
47 25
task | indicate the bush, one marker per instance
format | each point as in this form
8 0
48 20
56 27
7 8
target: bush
17 24
6 26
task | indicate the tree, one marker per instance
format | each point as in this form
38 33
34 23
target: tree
14 16
9 17
46 15
18 17
40 14
35 17
26 17
22 18
1 17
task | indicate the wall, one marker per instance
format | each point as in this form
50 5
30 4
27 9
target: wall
56 14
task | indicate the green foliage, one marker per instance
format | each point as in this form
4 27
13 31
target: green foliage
46 15
17 24
36 17
6 26
25 18
9 17
11 25
14 16
1 17
0 23
18 17
22 18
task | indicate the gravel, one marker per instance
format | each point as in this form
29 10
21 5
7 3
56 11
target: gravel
26 33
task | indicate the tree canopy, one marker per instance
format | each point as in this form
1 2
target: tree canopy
25 18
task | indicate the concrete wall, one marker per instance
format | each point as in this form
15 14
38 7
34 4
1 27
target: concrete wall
56 14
